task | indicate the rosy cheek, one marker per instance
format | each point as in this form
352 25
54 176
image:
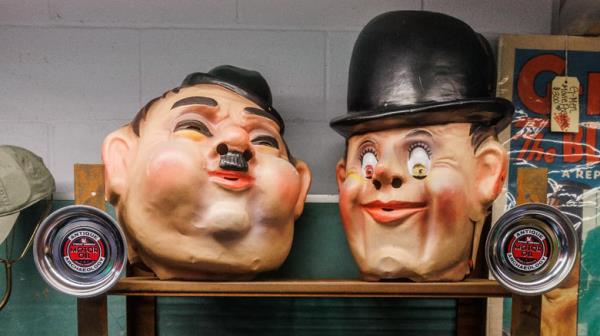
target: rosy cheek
279 183
447 193
171 171
350 190
277 175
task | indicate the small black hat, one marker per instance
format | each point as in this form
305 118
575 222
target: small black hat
417 68
247 83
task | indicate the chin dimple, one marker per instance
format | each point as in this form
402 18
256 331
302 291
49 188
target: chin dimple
388 266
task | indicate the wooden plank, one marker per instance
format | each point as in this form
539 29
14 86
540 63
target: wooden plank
141 315
144 286
89 185
471 316
525 318
532 186
141 311
556 312
92 316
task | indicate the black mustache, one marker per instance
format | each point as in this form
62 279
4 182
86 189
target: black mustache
233 160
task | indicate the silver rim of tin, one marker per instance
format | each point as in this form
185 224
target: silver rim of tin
563 241
48 247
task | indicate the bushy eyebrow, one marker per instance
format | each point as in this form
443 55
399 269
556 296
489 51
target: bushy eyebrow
195 100
262 113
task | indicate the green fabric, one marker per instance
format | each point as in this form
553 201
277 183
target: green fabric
24 179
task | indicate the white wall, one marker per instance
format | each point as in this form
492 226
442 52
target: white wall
73 70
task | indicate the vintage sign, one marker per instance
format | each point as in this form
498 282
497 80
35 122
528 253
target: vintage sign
528 250
84 251
542 75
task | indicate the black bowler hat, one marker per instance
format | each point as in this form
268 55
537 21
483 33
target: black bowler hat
417 68
247 83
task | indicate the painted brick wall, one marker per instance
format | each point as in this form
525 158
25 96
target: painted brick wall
73 70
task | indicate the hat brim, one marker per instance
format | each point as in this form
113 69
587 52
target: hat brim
6 224
492 111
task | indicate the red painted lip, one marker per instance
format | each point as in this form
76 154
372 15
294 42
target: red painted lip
231 180
386 212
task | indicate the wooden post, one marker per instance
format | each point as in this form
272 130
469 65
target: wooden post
141 315
525 318
471 314
92 315
532 186
555 312
141 310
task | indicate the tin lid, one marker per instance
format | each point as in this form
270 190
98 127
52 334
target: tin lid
532 248
80 250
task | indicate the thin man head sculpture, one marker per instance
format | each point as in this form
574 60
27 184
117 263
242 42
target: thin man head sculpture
203 182
422 164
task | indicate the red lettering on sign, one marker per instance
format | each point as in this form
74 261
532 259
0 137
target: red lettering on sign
84 253
528 250
590 146
593 93
531 122
572 147
531 150
526 83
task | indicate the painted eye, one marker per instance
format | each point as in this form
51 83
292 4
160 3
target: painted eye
368 161
419 160
265 140
193 125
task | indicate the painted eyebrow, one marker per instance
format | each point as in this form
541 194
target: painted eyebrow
366 142
261 113
195 100
418 132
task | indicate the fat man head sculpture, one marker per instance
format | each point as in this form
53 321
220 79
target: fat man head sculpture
203 182
422 164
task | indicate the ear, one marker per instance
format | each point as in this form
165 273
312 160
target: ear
491 168
115 152
340 172
305 179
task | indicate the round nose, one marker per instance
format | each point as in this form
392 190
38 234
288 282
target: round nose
383 176
235 138
223 149
234 149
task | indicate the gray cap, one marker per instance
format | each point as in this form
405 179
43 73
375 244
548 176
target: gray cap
24 180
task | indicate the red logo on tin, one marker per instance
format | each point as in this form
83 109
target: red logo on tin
528 250
83 251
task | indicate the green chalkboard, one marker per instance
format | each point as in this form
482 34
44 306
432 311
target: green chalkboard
319 251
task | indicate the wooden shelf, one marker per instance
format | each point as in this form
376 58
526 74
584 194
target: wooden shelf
141 305
144 286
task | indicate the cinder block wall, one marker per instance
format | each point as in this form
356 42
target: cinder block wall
73 70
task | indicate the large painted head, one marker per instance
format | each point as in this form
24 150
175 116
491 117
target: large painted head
203 181
422 164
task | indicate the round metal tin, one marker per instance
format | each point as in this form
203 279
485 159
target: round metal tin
532 248
80 250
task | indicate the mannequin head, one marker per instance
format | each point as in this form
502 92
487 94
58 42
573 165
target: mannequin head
204 184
